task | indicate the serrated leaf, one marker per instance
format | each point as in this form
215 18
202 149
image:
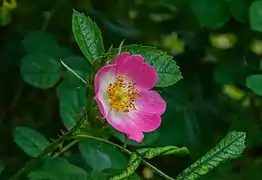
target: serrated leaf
254 82
72 101
30 141
168 70
40 70
133 164
150 153
212 14
87 36
228 148
255 16
101 156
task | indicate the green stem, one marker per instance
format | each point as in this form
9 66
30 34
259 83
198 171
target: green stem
155 169
48 18
85 136
65 148
32 163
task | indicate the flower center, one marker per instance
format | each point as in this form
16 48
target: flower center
122 94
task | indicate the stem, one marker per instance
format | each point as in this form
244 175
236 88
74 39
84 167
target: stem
65 148
32 163
48 18
85 136
155 169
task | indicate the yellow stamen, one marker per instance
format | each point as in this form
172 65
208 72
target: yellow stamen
122 94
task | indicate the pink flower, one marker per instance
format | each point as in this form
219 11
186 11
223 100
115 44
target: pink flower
124 96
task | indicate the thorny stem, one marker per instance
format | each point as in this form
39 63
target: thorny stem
70 135
65 148
85 136
31 164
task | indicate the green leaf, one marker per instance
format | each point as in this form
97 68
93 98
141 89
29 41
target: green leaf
51 161
110 173
239 9
101 156
42 175
78 63
133 164
254 82
150 153
168 70
30 141
87 36
97 175
78 71
76 78
38 41
59 170
40 70
67 171
72 101
212 14
255 16
5 16
228 148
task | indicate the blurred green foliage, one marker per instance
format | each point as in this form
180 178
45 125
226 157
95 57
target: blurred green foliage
216 44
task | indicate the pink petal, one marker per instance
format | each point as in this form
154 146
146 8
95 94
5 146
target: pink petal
146 121
103 106
150 102
123 123
120 57
140 73
103 77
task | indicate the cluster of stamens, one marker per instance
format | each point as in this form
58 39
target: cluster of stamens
122 94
